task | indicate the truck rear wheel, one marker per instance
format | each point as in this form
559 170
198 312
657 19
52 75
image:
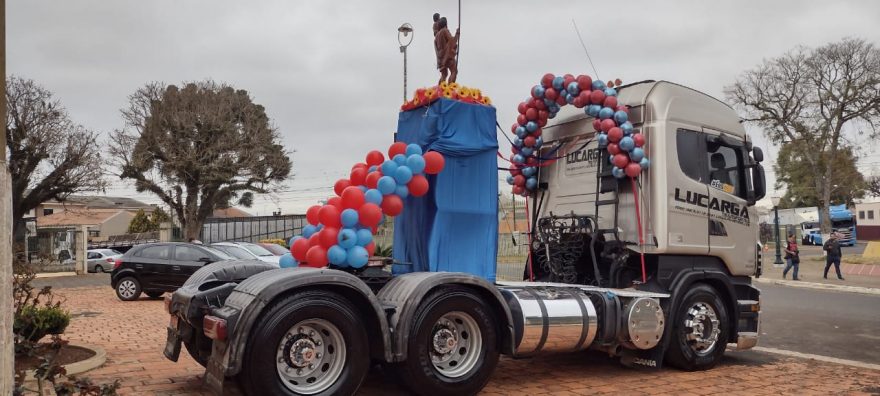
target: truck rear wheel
701 330
310 343
452 347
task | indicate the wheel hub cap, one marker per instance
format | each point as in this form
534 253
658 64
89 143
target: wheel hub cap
311 356
456 344
703 329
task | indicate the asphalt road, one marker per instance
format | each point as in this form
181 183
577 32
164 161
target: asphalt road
827 323
817 250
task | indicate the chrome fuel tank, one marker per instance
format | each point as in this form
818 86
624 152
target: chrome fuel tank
551 319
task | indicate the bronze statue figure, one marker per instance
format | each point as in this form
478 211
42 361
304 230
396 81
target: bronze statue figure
445 47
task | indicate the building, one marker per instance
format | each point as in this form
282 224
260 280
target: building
868 221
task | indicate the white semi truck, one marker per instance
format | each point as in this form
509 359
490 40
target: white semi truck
306 331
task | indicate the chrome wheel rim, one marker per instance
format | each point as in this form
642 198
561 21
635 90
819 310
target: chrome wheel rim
702 328
126 288
310 356
455 344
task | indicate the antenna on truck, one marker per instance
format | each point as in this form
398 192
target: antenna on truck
576 30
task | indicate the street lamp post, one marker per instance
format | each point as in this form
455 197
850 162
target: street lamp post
775 201
404 37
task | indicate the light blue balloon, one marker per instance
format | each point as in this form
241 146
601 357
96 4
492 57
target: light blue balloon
526 151
557 82
611 158
637 154
386 185
627 144
287 261
618 173
389 167
606 113
373 196
552 115
603 140
517 159
363 188
401 191
598 84
610 92
569 98
627 128
357 257
403 175
416 163
400 159
529 171
620 116
521 132
531 126
372 168
347 238
510 179
593 110
364 237
413 149
644 163
337 255
531 183
319 227
539 142
517 142
349 217
573 88
309 230
538 91
549 103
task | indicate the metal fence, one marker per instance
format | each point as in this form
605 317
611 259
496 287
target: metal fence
251 229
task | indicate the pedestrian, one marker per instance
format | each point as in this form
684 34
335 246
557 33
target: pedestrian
832 254
792 258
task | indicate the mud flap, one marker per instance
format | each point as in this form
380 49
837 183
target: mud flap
215 374
651 359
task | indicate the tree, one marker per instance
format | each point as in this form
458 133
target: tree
140 223
817 98
198 147
793 171
158 217
50 157
873 186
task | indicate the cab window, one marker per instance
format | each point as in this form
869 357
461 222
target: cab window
725 165
712 162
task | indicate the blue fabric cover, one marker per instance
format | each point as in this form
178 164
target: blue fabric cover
455 226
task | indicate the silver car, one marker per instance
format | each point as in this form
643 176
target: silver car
101 260
246 251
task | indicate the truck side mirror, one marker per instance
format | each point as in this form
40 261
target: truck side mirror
758 183
758 154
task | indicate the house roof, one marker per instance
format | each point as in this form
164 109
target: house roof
230 212
106 202
77 217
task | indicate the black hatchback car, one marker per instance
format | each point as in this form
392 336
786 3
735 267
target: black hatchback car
157 268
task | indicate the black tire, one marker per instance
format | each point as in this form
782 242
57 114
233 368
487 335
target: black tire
193 351
128 289
260 374
99 268
684 353
419 373
155 295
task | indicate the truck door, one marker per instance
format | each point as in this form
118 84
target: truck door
731 236
688 187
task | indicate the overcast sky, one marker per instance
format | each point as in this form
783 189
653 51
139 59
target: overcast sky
330 73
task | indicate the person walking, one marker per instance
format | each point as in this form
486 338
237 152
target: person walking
792 258
832 254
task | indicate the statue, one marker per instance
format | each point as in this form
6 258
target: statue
445 47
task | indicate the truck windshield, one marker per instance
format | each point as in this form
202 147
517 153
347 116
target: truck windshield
842 224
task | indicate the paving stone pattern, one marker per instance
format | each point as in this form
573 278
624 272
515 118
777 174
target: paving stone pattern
133 334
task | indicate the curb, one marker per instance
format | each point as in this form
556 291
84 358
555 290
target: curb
79 367
54 274
821 286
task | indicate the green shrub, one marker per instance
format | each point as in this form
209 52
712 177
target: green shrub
35 322
383 251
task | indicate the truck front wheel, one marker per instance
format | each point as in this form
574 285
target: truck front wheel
701 330
452 347
310 343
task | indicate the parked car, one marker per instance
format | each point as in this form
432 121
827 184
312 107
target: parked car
247 251
101 260
156 268
275 248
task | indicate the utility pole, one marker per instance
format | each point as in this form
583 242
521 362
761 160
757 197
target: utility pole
7 356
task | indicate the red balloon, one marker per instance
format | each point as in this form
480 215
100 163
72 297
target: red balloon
540 105
396 148
513 128
613 148
521 108
372 179
316 257
620 160
519 180
610 101
371 247
341 185
537 132
434 162
584 83
597 124
614 135
639 139
568 79
515 171
543 115
375 157
531 102
299 249
392 205
352 198
329 215
518 190
521 119
607 124
623 109
531 114
333 201
560 100
597 97
532 161
418 186
312 215
547 81
358 175
542 122
577 102
328 237
585 97
359 165
529 141
370 214
551 93
315 239
633 169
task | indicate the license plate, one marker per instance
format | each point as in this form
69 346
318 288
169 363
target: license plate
172 345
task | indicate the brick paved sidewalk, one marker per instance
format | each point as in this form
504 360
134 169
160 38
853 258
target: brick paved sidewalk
133 334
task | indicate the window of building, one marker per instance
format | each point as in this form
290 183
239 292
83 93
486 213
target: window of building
870 215
861 215
94 233
47 212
